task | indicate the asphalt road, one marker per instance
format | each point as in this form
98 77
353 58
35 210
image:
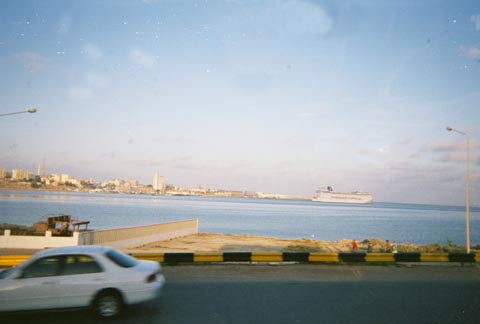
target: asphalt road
301 294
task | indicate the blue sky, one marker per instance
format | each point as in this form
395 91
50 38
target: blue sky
273 96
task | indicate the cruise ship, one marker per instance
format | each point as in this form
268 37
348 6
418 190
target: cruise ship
330 196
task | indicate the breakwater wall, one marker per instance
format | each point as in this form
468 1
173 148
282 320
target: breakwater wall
127 237
140 235
7 240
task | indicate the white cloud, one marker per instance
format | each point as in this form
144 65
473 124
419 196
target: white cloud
473 52
308 115
451 151
279 18
253 82
93 52
475 19
97 80
446 146
64 25
85 91
80 93
142 58
300 17
33 61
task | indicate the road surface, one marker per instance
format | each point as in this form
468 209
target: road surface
301 294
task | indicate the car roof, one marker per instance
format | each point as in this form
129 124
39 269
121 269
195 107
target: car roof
78 249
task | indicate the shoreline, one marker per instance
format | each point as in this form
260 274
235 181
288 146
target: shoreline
228 194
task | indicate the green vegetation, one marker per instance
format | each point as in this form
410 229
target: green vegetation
379 245
303 248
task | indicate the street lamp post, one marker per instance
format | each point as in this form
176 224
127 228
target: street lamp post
467 189
31 110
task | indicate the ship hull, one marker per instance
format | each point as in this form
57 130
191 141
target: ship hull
340 197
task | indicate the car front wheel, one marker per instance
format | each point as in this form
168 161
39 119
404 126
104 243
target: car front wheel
108 304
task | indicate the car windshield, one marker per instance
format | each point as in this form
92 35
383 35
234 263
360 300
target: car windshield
6 273
121 259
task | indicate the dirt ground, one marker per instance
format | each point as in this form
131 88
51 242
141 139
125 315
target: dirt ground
207 242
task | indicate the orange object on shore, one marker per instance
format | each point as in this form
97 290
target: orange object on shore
354 245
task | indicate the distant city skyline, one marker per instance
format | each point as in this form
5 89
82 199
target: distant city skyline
282 96
20 179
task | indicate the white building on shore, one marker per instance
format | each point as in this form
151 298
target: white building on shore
20 174
158 182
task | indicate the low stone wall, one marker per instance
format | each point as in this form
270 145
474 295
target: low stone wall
127 237
37 242
130 237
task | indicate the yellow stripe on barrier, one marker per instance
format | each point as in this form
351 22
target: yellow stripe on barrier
158 257
208 257
323 257
379 257
12 260
434 257
477 257
267 257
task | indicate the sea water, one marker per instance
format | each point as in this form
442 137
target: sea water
420 224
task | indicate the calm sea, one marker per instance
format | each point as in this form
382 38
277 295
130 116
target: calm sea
418 224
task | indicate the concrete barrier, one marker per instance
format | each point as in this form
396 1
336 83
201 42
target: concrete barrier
352 257
296 257
37 242
323 257
464 257
208 257
237 256
126 237
434 257
407 257
305 257
379 257
129 237
301 257
178 257
12 260
267 257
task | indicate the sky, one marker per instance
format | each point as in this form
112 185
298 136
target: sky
283 96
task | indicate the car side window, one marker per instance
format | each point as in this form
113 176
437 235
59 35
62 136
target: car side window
45 267
121 259
80 264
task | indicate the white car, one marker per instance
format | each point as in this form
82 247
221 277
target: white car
80 276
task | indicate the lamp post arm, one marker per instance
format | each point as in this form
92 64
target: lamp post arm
31 111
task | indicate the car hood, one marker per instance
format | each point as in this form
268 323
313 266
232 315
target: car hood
147 265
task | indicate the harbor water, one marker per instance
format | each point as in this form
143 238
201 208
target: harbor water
419 224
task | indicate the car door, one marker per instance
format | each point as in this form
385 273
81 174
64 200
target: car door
81 277
35 287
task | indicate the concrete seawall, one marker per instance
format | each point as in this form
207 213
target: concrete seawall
127 237
140 235
7 240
